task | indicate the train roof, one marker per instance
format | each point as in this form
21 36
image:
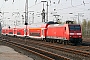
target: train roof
42 24
62 25
20 26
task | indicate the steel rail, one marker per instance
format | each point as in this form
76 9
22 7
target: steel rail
74 51
43 53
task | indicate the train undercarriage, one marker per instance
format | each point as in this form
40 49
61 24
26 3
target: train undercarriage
73 41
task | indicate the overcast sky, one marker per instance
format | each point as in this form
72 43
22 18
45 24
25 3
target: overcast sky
62 7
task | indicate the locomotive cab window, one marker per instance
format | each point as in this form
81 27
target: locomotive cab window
74 27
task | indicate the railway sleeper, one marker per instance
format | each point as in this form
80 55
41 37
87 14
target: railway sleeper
55 56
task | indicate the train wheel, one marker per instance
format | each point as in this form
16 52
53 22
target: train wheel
64 42
51 40
60 41
75 44
68 42
80 42
55 41
46 40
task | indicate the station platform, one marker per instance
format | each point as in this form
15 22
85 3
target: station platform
7 53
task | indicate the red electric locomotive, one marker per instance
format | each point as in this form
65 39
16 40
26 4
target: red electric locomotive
64 33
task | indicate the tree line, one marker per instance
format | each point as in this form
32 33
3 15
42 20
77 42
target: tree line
85 28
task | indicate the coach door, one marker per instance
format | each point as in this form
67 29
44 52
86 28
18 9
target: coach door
43 35
25 32
64 33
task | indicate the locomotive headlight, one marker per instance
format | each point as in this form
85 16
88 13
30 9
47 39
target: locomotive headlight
79 36
70 36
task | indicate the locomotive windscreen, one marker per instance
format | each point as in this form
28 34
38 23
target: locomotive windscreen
74 27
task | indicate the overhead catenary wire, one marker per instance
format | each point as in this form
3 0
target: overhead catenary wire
59 2
72 6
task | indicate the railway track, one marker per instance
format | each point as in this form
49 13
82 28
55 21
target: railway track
45 54
69 50
74 52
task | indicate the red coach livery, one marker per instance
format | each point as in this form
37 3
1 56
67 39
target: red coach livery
50 31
